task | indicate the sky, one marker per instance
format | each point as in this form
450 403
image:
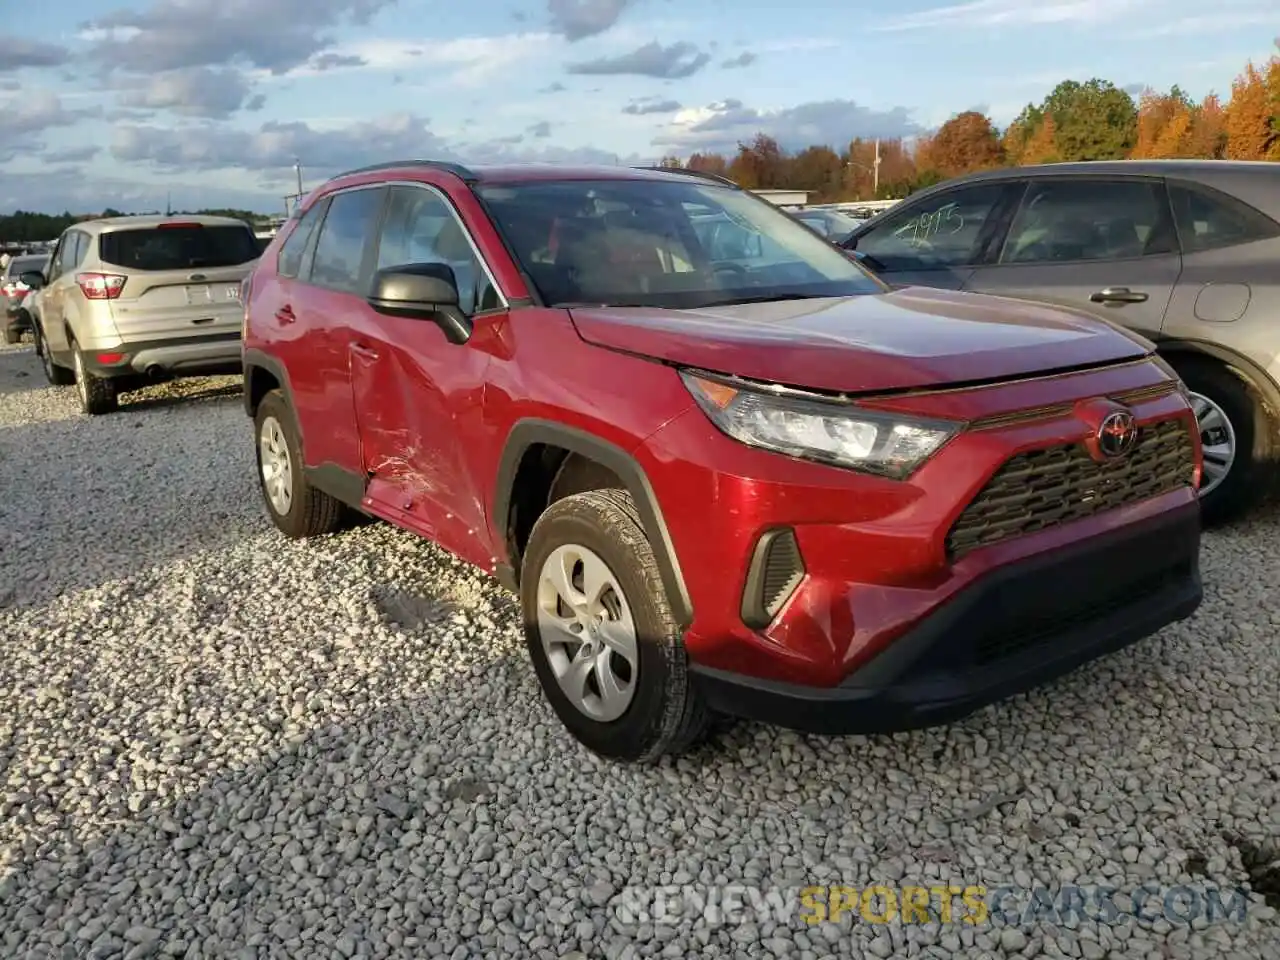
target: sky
208 104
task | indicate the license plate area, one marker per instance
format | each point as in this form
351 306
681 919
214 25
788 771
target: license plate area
198 293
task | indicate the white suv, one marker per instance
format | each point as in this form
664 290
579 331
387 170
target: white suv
130 300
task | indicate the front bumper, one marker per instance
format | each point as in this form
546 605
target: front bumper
1015 627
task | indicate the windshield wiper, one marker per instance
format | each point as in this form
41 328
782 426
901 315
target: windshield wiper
768 298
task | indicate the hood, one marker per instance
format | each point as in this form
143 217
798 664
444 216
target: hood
908 339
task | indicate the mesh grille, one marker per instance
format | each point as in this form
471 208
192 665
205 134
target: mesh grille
1043 488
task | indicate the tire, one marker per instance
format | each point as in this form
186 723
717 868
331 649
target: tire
97 394
1248 477
56 375
663 713
303 511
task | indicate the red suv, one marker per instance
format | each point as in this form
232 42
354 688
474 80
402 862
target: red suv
726 469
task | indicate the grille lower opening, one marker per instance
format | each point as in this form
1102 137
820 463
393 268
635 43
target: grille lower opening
1039 489
776 570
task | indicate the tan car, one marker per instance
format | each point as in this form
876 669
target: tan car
1182 252
128 301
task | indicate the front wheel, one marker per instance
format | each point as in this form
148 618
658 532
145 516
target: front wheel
606 648
1235 477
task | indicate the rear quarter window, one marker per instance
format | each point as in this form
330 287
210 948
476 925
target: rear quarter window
1208 219
178 248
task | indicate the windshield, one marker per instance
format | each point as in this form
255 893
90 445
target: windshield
21 265
179 247
831 223
664 244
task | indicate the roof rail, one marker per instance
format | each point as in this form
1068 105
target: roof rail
457 169
702 174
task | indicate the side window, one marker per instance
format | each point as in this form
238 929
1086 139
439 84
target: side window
289 260
67 250
421 227
943 231
1208 219
344 235
79 248
1066 221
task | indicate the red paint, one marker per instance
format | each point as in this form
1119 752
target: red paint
370 390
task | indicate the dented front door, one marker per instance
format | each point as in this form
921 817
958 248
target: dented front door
415 394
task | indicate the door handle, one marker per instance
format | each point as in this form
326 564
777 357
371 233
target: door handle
1118 295
286 315
364 352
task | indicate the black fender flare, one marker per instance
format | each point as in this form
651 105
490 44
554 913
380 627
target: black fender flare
252 359
528 432
1172 349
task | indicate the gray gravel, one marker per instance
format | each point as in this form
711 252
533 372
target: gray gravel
216 743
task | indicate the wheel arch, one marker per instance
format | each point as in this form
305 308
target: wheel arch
526 445
1258 382
263 373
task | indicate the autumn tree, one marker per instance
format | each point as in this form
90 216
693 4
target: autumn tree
1209 130
1019 133
964 143
708 163
759 165
1094 120
1251 116
819 170
1042 147
1157 114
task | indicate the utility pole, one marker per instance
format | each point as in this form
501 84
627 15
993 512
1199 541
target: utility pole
297 168
875 172
168 204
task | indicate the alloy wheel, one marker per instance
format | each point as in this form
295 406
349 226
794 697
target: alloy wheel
276 465
1217 439
587 632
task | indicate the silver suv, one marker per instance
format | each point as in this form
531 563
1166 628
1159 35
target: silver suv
130 300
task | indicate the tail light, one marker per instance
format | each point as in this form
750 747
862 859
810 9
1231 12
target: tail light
246 286
100 286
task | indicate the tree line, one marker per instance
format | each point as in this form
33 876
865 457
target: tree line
25 226
1093 120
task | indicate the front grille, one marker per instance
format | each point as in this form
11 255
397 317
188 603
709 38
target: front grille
1043 488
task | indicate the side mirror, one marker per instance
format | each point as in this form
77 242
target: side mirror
422 291
33 279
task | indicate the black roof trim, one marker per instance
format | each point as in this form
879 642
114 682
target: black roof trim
457 169
701 174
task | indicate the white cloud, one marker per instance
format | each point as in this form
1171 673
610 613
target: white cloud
1008 13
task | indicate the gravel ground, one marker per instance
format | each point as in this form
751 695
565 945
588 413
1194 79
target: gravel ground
216 743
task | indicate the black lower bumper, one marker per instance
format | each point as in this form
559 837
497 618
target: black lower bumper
1012 630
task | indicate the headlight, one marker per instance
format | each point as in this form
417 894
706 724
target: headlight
838 434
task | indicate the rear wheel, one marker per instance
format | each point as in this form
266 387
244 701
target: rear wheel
604 643
97 394
1235 476
56 375
297 508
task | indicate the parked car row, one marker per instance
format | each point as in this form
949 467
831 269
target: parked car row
16 294
726 467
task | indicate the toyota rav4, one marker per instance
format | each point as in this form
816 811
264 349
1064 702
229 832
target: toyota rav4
752 481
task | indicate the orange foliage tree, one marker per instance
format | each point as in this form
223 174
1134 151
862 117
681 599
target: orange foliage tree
1090 120
966 142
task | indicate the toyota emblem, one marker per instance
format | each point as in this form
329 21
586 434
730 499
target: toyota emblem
1117 434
